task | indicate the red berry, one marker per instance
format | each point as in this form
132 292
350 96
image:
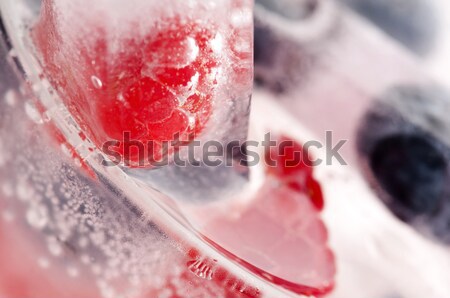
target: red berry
288 158
292 165
153 88
177 123
149 101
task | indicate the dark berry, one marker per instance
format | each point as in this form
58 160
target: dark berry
412 170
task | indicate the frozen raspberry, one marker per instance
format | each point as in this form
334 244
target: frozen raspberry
155 88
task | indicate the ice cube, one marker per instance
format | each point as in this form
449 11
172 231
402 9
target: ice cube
183 74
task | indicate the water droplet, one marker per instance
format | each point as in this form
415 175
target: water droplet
37 217
32 112
98 84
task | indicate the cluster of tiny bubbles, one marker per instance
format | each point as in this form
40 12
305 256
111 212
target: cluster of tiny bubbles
88 228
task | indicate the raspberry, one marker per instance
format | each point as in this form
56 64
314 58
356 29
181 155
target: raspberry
289 158
293 167
154 88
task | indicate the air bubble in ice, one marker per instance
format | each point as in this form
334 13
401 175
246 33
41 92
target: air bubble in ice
33 113
98 84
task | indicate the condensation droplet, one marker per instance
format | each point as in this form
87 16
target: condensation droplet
33 113
98 84
37 217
